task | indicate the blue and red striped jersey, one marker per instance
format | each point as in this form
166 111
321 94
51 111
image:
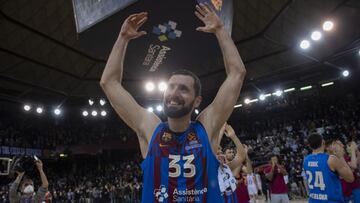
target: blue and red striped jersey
181 167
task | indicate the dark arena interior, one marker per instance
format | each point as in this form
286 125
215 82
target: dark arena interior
77 114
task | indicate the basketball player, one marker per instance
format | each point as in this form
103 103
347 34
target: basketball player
229 164
323 171
252 186
179 165
349 189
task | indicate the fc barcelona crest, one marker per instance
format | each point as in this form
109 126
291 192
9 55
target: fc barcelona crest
166 137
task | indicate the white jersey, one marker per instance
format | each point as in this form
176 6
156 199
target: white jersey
251 185
226 179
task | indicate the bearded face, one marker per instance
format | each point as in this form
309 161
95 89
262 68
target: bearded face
179 98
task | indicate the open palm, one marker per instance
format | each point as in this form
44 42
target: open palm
130 27
209 18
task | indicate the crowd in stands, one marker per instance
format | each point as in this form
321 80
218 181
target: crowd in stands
279 128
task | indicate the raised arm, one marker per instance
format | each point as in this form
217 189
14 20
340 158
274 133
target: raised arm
220 109
337 163
353 161
136 117
240 150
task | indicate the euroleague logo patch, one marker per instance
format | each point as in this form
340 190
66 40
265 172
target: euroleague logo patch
192 141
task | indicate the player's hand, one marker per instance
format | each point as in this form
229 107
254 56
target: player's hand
338 150
20 174
209 18
131 25
229 131
39 164
353 146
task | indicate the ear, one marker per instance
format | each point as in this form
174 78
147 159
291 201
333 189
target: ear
198 100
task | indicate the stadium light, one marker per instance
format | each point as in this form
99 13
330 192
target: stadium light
85 113
162 86
238 105
253 100
159 108
262 97
102 102
328 25
149 86
289 90
304 44
27 107
316 35
278 93
39 110
103 113
247 101
327 84
94 113
150 109
345 73
57 111
91 102
196 111
306 88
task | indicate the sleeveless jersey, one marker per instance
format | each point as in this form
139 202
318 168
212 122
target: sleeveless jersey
324 184
181 167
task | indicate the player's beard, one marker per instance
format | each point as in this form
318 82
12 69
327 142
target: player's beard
174 112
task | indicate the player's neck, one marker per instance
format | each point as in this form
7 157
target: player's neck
179 125
318 151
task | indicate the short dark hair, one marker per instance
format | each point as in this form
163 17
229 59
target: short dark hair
197 83
315 141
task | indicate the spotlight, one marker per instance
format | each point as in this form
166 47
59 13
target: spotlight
359 52
238 105
27 107
305 44
103 113
39 110
345 73
162 86
262 97
247 101
328 25
306 88
102 102
289 90
150 109
316 35
57 111
91 102
94 113
327 84
278 93
196 111
85 113
149 86
159 108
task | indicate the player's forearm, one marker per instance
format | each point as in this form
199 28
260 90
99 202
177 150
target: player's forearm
353 161
18 178
44 180
240 150
232 59
113 71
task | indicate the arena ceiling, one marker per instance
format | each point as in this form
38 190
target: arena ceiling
43 57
